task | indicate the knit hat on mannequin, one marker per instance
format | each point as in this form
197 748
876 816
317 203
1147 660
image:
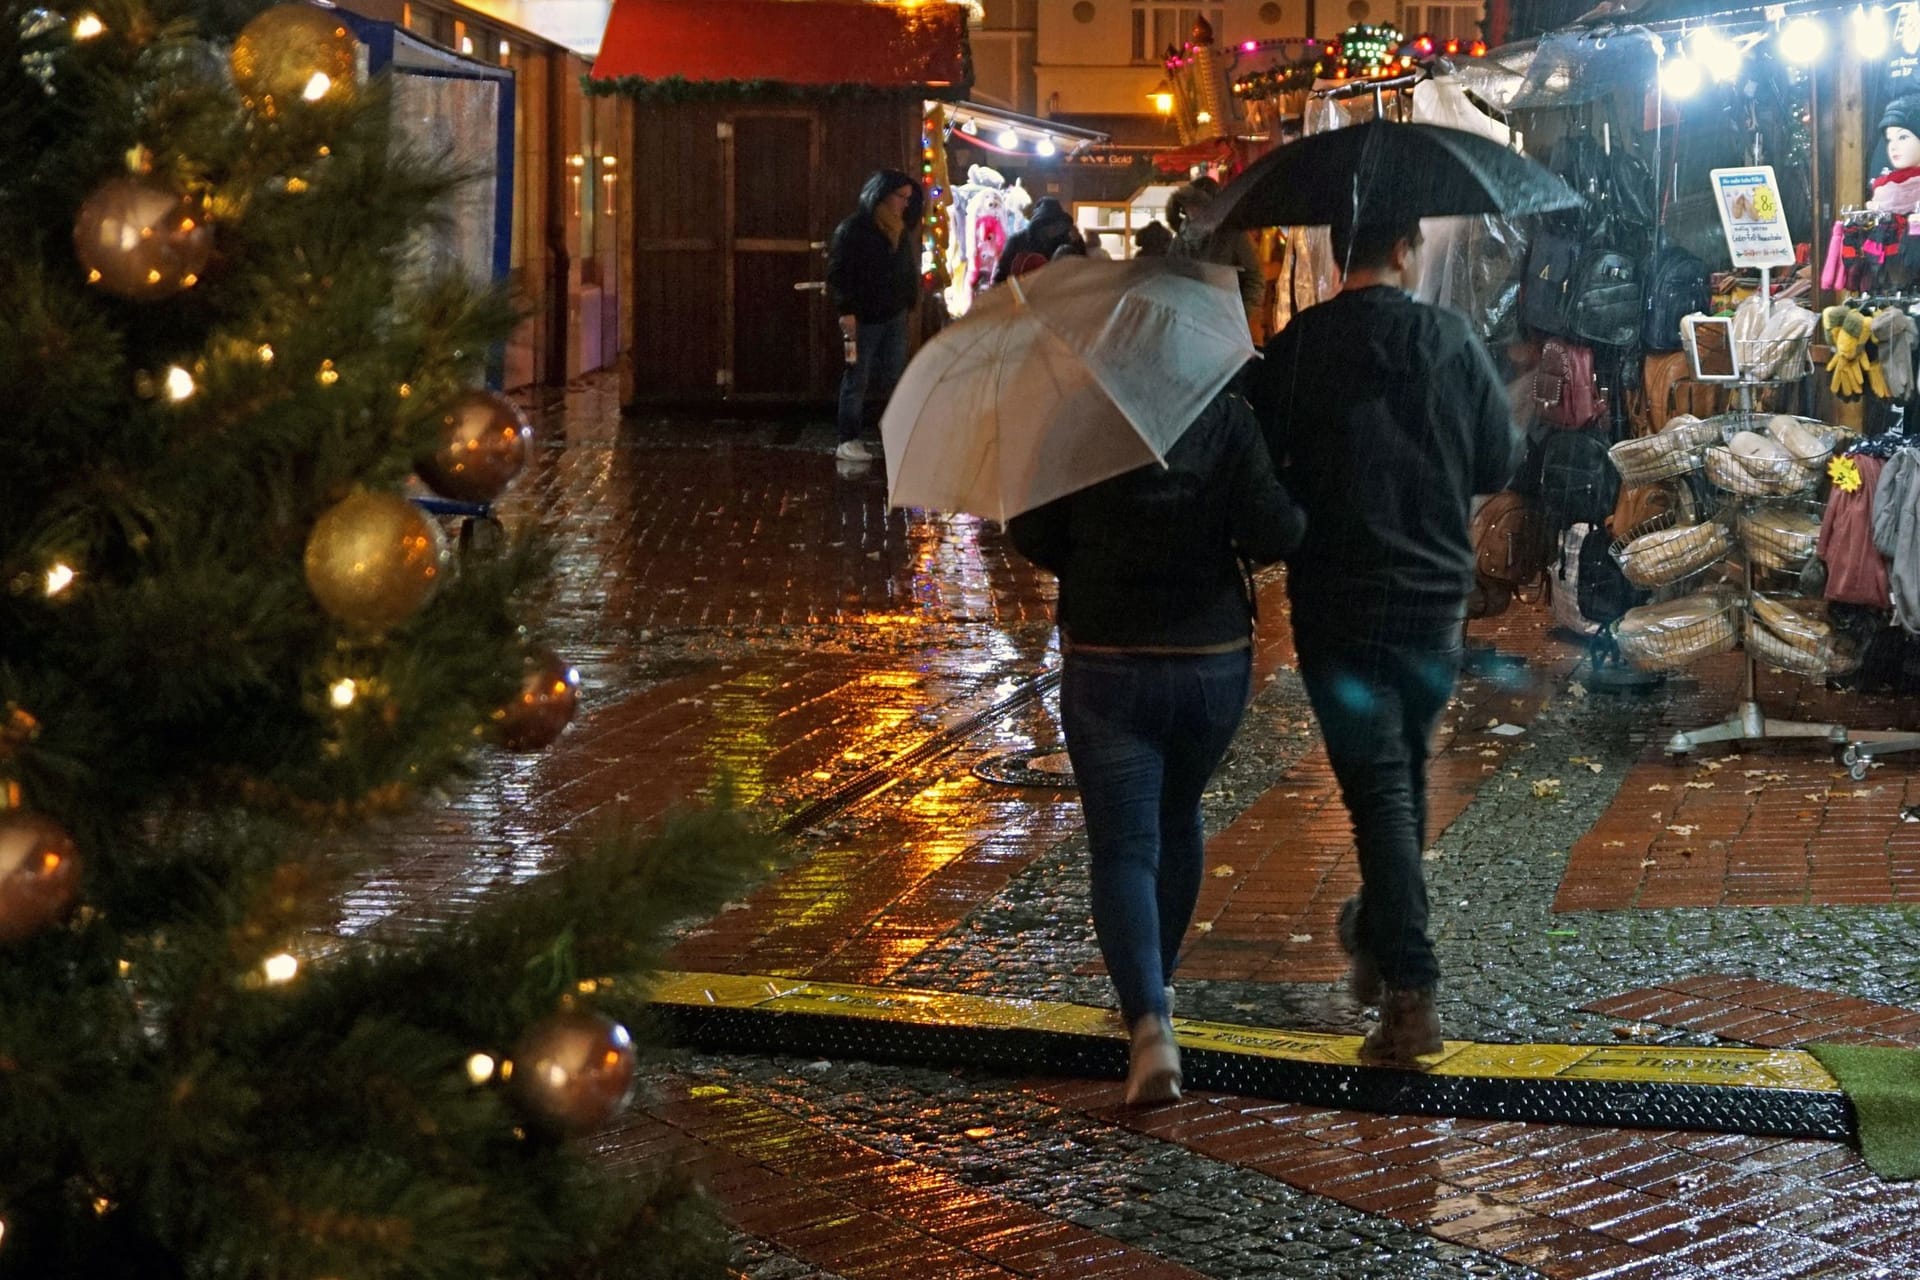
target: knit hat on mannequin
1903 113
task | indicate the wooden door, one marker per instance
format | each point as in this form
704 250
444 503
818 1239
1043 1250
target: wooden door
772 329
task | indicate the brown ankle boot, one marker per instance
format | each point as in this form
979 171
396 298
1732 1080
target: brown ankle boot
1363 979
1409 1028
1153 1063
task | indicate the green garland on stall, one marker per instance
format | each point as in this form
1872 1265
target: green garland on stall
673 90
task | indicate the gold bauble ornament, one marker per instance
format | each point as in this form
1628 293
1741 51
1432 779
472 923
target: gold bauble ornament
543 707
141 240
293 53
484 440
373 560
39 874
573 1071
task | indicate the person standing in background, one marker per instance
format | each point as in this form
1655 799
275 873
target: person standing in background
1234 249
873 281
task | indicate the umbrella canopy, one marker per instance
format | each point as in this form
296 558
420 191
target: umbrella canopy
1386 173
1059 379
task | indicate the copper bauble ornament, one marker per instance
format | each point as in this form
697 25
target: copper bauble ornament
484 440
373 560
544 705
290 54
39 874
141 240
573 1071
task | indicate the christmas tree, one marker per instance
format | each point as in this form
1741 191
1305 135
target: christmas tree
229 639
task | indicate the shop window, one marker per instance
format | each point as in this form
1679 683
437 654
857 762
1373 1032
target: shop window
1441 21
1156 26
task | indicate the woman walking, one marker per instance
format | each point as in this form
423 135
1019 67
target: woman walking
1156 621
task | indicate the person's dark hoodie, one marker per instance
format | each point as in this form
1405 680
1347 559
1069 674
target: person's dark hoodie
1384 417
1050 230
866 277
1151 558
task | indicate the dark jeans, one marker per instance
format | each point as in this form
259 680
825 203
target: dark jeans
1145 733
1378 704
879 354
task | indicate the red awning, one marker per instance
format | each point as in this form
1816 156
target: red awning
806 42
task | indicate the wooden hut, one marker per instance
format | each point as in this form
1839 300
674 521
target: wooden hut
756 122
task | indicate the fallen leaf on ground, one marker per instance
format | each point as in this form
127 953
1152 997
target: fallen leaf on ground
1222 871
1700 786
1647 862
1660 786
1683 828
1205 926
1299 937
1544 787
1613 844
1635 1032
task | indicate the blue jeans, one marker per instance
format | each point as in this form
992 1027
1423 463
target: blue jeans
880 353
1378 705
1145 733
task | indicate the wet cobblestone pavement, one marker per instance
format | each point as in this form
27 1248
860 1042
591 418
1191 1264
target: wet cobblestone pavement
737 603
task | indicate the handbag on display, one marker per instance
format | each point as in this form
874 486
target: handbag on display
1566 386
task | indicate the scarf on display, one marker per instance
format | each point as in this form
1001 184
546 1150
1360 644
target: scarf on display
1896 175
892 225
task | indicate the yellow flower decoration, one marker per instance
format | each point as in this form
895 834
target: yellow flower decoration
1845 473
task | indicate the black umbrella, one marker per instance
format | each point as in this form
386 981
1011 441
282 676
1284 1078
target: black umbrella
1388 173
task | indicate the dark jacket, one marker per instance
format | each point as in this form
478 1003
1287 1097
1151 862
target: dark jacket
1149 558
1385 417
867 278
1051 230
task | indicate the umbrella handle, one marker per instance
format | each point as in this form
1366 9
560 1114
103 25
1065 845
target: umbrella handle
1019 294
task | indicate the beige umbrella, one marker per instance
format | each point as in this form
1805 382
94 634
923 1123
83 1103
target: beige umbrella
1059 379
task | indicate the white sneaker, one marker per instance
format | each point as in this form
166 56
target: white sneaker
852 451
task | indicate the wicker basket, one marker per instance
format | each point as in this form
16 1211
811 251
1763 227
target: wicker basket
1726 471
1674 450
1782 536
1668 555
1662 637
1830 658
1799 447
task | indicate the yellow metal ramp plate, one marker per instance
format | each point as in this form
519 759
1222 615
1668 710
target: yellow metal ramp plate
1760 1091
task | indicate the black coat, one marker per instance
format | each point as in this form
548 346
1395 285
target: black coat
869 278
1151 558
1385 416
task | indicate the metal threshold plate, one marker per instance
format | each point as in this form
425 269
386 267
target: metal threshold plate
1780 1092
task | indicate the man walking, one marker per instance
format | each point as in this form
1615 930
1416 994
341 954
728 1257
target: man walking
873 280
1386 417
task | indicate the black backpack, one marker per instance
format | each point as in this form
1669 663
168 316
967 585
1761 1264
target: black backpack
1676 287
1546 296
1605 306
1604 591
1578 481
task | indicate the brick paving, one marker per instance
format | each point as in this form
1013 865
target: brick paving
738 606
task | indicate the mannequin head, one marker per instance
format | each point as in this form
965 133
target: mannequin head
1900 124
1903 148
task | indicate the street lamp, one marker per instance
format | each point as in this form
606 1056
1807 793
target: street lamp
1162 98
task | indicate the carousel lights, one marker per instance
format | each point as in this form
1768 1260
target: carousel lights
1044 147
1681 77
1009 139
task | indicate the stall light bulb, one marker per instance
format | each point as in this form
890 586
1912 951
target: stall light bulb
1248 46
1680 77
317 86
1803 40
480 1068
341 693
1870 34
1044 147
1009 139
179 384
59 578
1203 117
87 26
1719 55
